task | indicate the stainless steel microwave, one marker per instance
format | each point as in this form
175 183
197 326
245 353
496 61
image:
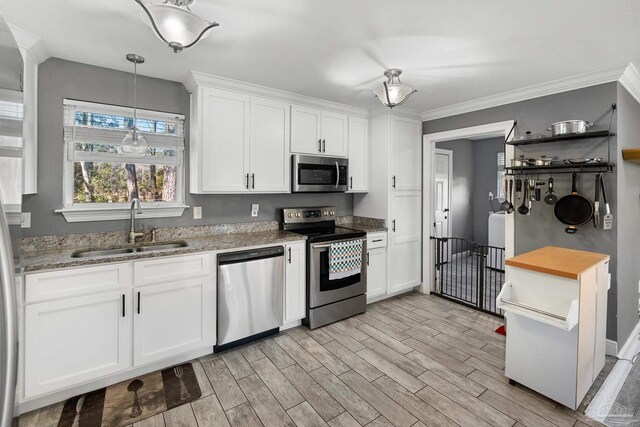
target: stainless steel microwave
316 174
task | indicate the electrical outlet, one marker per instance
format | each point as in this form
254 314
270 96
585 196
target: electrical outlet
197 212
255 209
25 220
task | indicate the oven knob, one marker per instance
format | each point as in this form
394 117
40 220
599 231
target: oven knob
298 214
290 215
332 213
325 213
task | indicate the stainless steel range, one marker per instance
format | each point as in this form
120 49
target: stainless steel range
336 267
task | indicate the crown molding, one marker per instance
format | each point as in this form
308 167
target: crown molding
31 43
196 78
630 80
579 81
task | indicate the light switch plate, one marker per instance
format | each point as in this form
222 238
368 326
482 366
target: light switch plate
255 209
197 212
25 220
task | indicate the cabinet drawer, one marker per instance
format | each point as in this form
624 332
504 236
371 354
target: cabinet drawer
376 240
163 270
76 282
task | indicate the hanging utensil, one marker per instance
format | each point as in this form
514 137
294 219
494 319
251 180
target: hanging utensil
505 205
596 204
573 209
607 220
523 209
532 190
550 198
510 209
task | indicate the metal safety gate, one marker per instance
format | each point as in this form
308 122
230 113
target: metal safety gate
468 273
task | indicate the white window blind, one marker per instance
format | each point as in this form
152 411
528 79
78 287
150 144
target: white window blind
501 172
11 123
94 132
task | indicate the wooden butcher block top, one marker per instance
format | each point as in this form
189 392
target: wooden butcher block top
569 263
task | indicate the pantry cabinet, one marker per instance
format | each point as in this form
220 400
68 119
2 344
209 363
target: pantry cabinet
239 143
319 132
295 282
358 155
405 241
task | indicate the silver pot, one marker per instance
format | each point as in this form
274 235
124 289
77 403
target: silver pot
543 161
521 161
569 127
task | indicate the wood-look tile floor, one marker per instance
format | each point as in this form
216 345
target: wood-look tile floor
414 360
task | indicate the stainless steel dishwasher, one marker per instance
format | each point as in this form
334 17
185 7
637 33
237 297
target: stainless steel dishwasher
250 295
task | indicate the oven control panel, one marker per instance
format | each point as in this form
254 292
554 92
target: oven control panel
303 215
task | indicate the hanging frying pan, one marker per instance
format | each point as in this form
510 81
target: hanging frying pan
573 209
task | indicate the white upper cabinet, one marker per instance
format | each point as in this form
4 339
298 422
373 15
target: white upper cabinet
306 130
406 154
358 155
239 143
315 131
225 141
270 163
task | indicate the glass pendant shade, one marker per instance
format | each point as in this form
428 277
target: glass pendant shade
175 24
393 92
134 143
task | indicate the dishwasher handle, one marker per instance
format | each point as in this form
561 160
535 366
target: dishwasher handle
250 255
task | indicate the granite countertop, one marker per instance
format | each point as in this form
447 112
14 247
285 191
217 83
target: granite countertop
61 258
368 225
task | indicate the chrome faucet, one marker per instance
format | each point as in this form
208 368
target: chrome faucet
133 235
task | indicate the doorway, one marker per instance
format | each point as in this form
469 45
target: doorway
461 255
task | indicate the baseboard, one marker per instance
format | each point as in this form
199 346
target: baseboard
603 401
290 325
611 348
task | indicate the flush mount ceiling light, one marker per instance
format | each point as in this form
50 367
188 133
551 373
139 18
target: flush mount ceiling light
393 92
134 142
175 24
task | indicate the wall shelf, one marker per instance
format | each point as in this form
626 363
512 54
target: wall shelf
586 135
562 168
631 154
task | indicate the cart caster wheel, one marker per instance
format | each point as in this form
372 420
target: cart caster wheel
512 382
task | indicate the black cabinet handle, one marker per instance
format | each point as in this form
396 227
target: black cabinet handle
394 181
123 312
394 226
351 183
320 146
324 145
377 240
138 302
367 258
247 185
253 181
289 255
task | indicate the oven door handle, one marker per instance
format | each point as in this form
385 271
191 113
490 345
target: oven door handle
327 245
337 175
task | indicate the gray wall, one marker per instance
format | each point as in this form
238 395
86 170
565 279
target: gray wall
541 228
627 215
461 187
58 79
485 159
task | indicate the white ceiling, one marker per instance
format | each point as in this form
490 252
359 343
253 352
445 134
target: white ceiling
451 51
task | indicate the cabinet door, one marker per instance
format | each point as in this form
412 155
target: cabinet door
305 130
406 154
358 155
334 134
376 272
295 282
74 340
225 141
173 318
405 241
270 162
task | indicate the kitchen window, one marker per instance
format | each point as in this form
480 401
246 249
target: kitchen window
100 180
500 191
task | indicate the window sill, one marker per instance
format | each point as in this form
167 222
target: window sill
112 213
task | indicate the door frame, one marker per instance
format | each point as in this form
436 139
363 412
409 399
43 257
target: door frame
498 129
450 154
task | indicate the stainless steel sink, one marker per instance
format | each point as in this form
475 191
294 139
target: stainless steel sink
123 250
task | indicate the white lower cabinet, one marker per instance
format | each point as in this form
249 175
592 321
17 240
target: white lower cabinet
73 340
376 265
172 318
295 282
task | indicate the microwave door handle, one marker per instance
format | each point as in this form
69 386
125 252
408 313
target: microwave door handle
337 175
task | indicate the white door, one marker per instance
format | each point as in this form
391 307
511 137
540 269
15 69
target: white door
334 134
406 154
405 241
295 282
358 155
270 162
306 130
442 192
376 272
173 318
74 340
225 141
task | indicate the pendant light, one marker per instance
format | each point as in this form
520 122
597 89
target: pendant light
175 24
393 92
134 143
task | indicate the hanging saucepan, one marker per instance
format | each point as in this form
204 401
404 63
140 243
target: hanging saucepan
573 209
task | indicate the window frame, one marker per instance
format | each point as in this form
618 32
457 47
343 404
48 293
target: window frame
82 212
